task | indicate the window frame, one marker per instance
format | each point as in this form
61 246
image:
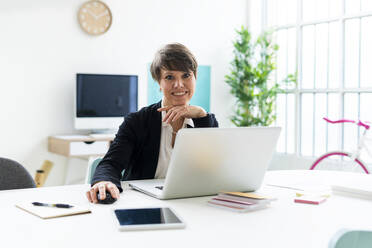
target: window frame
299 91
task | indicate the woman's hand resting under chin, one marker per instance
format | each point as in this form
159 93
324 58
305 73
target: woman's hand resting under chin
174 113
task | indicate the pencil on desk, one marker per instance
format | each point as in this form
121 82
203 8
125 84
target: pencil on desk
321 195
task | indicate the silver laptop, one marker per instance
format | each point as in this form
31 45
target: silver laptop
206 161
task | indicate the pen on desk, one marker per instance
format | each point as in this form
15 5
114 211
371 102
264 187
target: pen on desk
58 205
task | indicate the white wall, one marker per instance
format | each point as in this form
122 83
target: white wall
42 48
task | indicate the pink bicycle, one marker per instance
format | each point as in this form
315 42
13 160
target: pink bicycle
353 156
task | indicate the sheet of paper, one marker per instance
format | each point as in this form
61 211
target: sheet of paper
302 184
51 212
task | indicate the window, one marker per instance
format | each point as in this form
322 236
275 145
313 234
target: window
329 44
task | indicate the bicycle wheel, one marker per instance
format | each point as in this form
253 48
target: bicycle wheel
329 161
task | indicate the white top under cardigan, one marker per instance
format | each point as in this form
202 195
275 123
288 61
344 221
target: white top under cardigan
165 150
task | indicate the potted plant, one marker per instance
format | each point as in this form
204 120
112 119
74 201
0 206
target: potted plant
253 64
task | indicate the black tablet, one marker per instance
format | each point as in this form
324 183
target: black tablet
147 218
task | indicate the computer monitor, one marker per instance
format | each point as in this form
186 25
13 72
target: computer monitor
102 100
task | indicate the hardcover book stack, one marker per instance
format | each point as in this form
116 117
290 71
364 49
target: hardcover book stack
240 202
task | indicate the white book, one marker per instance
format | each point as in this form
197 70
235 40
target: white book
354 185
356 190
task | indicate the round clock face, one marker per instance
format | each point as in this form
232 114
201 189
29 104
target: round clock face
94 17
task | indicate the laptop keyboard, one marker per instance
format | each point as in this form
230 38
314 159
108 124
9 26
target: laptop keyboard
159 187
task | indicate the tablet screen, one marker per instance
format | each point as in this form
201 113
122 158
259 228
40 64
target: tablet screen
143 216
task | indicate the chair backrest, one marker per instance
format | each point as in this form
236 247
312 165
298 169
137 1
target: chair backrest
92 165
351 239
14 176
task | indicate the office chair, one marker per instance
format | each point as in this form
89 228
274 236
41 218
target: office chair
92 165
14 176
351 239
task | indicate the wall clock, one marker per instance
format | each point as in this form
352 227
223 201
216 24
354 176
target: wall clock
95 17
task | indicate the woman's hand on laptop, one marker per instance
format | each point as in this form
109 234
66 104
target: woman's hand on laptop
102 187
186 111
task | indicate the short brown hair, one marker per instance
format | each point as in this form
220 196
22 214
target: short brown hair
175 57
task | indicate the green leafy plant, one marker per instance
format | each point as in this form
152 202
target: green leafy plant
253 64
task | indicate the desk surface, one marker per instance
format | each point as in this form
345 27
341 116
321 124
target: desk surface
283 224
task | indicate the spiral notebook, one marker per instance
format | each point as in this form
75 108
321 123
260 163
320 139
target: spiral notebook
51 212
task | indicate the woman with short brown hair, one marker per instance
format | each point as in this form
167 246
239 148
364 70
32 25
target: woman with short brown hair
144 143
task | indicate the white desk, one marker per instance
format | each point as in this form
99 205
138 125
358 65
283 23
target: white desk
284 224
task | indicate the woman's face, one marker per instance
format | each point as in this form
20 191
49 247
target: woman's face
177 86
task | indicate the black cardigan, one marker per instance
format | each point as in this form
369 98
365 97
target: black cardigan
135 148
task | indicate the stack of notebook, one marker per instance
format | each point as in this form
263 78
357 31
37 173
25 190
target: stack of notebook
239 201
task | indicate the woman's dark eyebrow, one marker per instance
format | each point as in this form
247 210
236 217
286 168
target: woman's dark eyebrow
172 72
